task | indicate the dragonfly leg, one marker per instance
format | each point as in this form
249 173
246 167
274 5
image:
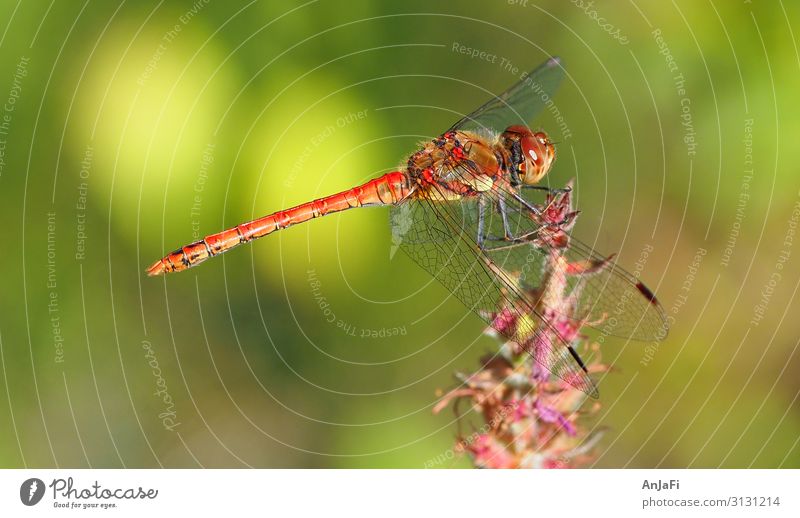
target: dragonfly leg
481 218
501 205
502 208
550 190
509 236
525 203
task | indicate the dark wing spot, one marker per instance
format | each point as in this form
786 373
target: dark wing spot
577 357
647 293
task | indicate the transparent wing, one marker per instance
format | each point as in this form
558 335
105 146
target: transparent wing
438 236
607 297
520 103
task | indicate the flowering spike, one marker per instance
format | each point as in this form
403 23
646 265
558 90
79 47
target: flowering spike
534 419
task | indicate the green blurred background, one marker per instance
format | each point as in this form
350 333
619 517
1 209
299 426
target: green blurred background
171 120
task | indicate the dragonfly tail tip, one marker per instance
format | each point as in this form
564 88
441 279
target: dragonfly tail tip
157 268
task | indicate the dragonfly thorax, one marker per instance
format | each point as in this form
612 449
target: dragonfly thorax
457 163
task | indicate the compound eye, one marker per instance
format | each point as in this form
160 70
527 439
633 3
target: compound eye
538 152
533 150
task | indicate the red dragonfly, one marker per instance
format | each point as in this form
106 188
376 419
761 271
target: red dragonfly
461 209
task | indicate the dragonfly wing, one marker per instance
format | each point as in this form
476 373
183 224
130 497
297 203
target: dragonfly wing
520 103
614 301
607 297
438 235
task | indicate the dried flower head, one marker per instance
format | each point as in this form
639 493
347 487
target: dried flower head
533 419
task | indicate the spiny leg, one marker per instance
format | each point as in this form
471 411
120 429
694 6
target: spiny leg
502 208
526 204
508 237
481 218
550 190
501 205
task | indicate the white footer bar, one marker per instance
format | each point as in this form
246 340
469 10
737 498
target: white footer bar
400 492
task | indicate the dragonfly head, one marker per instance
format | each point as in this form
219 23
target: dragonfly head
532 154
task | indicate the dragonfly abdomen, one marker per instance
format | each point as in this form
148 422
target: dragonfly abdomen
385 190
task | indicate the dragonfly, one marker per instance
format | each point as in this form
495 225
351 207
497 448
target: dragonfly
463 207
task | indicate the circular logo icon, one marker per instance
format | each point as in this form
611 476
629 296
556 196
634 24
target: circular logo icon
31 491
